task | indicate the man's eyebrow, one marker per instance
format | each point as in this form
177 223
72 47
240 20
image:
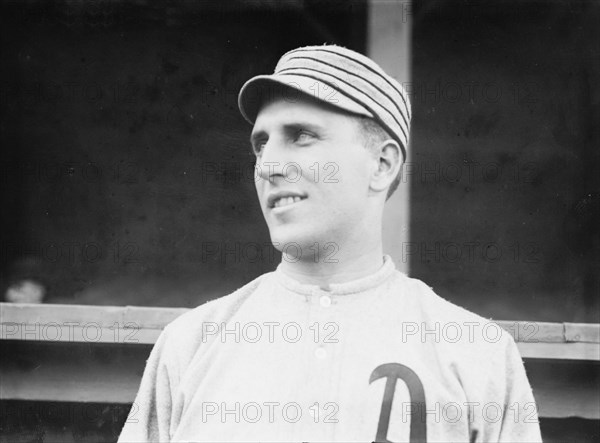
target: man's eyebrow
289 128
310 126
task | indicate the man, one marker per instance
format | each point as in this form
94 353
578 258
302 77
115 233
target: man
336 344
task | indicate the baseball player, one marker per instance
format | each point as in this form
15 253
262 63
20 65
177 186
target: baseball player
336 344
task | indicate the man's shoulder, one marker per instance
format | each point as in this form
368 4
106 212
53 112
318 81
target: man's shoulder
182 337
434 305
216 310
451 319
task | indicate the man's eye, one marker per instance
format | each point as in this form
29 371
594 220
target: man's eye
303 137
258 147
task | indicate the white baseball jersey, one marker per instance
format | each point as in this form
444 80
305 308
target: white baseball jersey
381 358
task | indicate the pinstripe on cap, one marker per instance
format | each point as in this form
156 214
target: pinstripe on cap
338 76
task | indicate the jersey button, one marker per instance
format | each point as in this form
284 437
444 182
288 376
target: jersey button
325 301
320 353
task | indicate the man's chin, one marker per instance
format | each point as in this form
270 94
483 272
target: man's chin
294 242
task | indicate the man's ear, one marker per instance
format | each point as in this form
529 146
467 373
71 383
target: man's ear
389 161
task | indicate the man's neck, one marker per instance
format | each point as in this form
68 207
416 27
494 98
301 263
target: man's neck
332 267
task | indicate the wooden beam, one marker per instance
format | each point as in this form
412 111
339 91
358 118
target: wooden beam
582 332
136 325
84 324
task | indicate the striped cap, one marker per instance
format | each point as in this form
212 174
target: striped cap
338 76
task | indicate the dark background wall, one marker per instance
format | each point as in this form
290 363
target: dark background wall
126 174
505 183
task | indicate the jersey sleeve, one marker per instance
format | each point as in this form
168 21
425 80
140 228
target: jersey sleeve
520 421
149 419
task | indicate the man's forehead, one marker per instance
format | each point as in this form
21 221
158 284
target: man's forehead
282 115
299 109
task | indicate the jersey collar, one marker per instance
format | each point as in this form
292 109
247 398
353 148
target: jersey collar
351 287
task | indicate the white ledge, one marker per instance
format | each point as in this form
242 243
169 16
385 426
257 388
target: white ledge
137 325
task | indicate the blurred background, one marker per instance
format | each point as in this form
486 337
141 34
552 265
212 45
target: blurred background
126 175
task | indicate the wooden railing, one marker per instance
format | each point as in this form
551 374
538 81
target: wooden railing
97 354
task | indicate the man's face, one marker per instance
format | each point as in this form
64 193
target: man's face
313 175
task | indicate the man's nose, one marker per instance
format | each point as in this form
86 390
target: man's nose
270 164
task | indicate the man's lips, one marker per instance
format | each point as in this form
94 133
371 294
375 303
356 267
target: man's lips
283 198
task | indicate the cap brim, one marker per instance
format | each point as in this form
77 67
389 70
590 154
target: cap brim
291 88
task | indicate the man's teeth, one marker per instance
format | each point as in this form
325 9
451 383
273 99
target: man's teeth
286 201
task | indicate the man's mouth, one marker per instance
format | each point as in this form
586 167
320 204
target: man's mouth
284 198
286 201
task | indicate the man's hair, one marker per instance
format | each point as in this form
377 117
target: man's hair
373 135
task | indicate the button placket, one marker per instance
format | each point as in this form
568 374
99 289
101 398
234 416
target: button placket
325 360
325 300
320 353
